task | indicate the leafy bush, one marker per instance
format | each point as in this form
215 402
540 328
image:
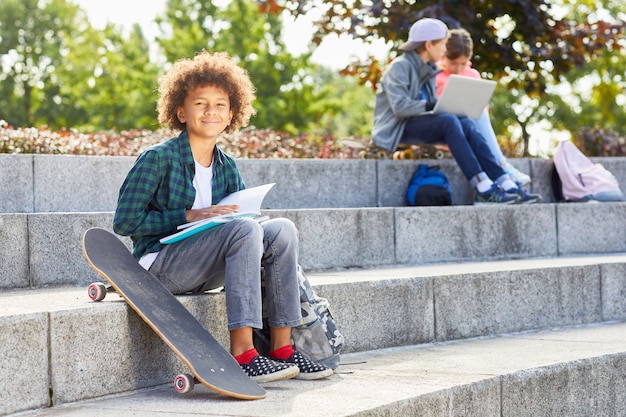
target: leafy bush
600 142
248 143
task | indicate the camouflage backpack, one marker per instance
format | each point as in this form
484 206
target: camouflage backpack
318 336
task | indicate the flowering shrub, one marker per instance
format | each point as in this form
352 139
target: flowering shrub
600 142
248 143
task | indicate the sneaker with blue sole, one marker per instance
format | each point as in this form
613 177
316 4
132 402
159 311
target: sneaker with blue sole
495 195
525 197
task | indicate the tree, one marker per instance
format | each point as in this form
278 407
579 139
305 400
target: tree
59 71
110 80
31 47
587 96
287 97
509 37
525 44
345 106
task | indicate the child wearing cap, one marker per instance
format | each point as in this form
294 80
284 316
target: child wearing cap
179 181
407 93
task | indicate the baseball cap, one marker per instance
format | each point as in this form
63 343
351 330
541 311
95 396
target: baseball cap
423 30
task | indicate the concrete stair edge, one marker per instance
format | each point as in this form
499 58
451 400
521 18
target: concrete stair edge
576 371
79 350
44 249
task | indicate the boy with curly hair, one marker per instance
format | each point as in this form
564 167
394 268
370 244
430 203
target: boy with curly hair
180 181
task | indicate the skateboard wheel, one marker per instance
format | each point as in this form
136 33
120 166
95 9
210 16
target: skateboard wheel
439 154
183 383
97 291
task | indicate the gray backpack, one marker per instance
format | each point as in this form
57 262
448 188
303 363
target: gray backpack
318 336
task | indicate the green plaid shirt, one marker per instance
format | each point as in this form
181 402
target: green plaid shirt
158 190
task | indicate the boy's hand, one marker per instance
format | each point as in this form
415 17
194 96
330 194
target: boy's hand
212 211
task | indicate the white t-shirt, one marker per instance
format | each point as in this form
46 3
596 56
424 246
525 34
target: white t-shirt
204 195
202 184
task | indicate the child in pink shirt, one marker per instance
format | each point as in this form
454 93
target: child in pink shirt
459 50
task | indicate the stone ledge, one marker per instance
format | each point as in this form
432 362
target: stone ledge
44 249
85 350
65 183
573 372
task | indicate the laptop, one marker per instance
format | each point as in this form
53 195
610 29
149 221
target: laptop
465 96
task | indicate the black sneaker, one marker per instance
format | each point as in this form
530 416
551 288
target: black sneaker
309 369
495 195
263 369
526 198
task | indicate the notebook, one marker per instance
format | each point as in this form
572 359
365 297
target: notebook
465 96
249 201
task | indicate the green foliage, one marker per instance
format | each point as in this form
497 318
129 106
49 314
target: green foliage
516 39
32 45
285 91
59 71
600 142
587 98
344 106
530 46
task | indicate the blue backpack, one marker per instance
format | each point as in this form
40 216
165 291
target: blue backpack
429 187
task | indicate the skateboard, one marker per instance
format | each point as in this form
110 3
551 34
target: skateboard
424 151
209 362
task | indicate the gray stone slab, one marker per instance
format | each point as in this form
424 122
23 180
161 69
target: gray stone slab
382 313
591 387
437 234
613 291
394 177
78 183
541 173
591 227
617 166
90 357
16 183
345 237
88 183
313 183
56 255
578 372
210 310
106 348
24 371
14 268
470 305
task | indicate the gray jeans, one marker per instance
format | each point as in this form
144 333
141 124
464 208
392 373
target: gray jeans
232 255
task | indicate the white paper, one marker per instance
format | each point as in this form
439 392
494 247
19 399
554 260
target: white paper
249 200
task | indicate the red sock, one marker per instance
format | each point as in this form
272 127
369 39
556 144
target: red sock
283 353
246 357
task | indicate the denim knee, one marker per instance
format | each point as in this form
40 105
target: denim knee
280 230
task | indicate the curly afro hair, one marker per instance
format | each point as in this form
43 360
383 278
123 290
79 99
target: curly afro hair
216 69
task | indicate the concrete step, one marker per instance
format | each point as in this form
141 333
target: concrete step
44 249
576 371
59 347
70 183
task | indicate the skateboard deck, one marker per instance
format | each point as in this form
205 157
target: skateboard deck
422 151
210 363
